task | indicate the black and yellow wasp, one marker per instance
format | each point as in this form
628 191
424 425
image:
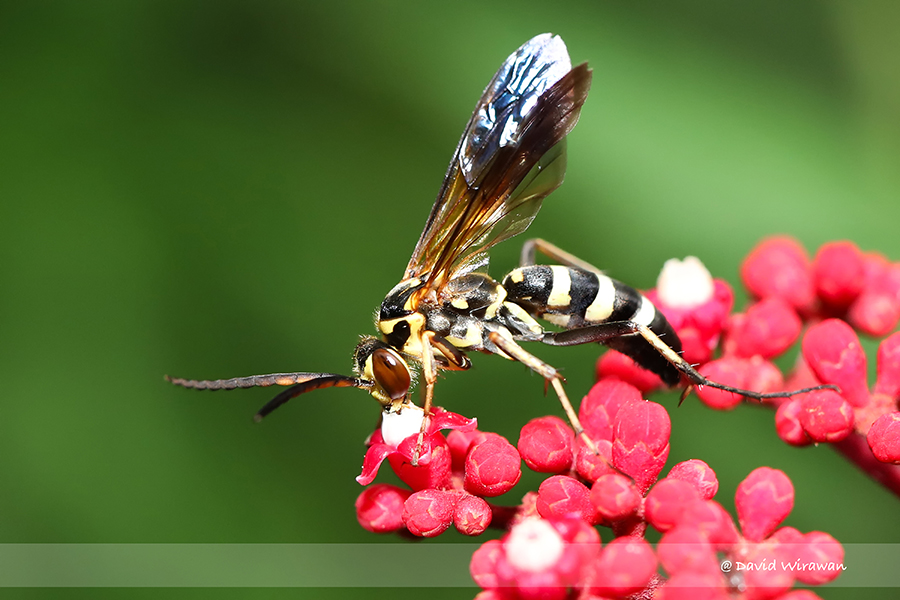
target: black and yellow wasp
512 154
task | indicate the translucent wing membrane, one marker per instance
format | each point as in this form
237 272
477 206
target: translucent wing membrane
510 157
508 99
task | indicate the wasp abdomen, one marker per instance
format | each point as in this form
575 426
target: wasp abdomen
572 298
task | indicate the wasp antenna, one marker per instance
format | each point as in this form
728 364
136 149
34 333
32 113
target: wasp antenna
249 382
322 380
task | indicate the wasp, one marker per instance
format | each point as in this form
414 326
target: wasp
512 155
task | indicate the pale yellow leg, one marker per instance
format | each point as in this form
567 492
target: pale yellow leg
429 373
550 374
553 252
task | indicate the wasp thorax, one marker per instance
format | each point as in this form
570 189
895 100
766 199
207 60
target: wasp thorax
400 301
399 320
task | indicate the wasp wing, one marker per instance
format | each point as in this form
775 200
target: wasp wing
510 157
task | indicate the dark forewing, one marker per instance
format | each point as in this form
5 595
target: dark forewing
511 155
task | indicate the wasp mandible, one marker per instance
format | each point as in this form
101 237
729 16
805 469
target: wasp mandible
512 154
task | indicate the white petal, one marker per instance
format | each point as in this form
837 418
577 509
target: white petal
534 545
396 427
684 284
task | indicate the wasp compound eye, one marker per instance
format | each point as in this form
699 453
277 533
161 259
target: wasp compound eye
391 373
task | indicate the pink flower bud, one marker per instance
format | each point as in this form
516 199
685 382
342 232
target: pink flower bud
884 438
561 496
882 275
615 497
833 352
543 558
459 443
697 473
483 566
789 543
787 423
598 409
686 548
695 347
667 501
826 553
826 416
779 267
710 319
545 445
379 508
800 595
397 438
625 566
801 375
641 443
786 535
875 313
838 273
729 371
428 513
712 521
472 515
493 467
769 580
615 365
763 500
695 304
768 328
490 595
888 382
433 470
589 465
694 586
763 376
876 310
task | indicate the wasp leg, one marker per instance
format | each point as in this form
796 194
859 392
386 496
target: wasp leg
455 359
605 332
549 374
553 252
429 373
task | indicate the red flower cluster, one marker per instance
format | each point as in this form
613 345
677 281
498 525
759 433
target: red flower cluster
838 290
449 482
551 547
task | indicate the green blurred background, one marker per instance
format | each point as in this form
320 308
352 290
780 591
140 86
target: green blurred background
222 188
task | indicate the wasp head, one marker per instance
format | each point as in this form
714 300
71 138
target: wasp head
381 364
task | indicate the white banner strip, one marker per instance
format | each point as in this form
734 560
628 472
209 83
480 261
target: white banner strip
424 564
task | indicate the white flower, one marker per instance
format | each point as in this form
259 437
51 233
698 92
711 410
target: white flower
684 284
534 545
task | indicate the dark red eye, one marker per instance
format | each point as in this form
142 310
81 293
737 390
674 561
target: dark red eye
391 373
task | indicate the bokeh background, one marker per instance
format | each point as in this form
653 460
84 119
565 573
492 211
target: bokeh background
221 188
